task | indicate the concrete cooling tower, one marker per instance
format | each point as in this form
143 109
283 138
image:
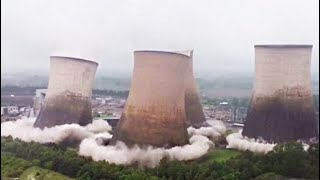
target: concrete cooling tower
281 108
155 111
68 97
194 111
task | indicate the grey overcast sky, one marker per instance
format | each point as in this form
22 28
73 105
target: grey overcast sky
221 32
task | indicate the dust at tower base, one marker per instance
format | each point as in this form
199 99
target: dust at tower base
281 107
68 98
154 112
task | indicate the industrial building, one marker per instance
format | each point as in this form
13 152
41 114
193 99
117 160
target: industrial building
281 108
10 110
68 97
155 110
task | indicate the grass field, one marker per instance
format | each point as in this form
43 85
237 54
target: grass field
12 166
220 155
17 168
37 173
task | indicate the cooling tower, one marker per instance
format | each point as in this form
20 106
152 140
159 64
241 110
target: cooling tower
281 108
68 97
154 112
193 107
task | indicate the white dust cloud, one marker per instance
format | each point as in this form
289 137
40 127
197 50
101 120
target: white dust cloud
95 136
150 156
143 157
217 129
23 129
237 141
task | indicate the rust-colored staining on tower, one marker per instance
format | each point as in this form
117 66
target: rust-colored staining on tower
68 98
155 111
281 106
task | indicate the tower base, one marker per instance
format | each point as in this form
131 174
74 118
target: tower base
60 110
279 123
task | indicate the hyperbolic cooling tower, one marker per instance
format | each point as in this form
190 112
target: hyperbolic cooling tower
194 111
68 98
281 106
155 111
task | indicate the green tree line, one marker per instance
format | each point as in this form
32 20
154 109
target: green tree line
289 160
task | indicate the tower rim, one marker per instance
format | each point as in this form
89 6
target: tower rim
160 52
76 59
283 46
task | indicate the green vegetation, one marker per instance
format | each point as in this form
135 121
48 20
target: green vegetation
121 94
12 166
222 155
37 173
288 160
244 101
268 176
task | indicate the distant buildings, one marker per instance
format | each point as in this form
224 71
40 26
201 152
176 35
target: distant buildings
10 110
224 103
12 113
225 112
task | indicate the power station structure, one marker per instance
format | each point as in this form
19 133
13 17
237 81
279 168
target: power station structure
193 107
68 97
281 107
38 100
155 110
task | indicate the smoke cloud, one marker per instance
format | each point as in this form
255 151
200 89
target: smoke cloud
23 129
143 156
217 129
149 156
237 141
95 137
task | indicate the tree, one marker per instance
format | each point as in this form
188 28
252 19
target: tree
289 159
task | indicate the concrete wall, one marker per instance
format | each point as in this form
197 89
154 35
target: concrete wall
281 106
38 100
194 112
155 111
68 98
